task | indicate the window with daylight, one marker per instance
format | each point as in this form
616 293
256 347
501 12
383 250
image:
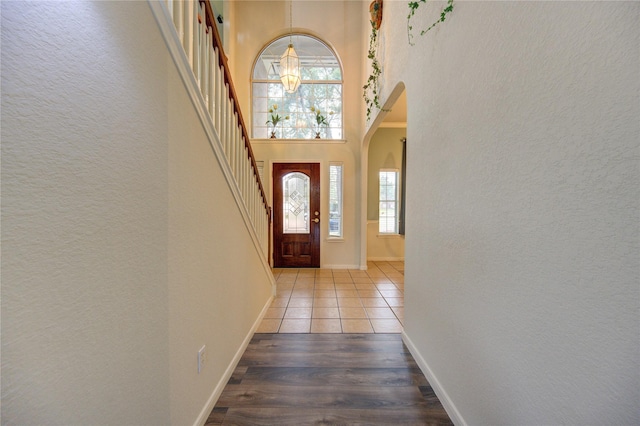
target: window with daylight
388 210
314 110
335 200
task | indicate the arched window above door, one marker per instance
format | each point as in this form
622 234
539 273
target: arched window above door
319 93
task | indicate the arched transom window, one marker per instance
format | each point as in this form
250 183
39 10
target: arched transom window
320 92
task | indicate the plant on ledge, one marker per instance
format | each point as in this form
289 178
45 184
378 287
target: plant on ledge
414 5
321 120
275 119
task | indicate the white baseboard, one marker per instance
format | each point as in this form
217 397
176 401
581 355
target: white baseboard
442 395
211 402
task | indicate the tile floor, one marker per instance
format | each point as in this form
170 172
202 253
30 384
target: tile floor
338 300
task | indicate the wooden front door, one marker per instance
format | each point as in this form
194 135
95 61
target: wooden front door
296 215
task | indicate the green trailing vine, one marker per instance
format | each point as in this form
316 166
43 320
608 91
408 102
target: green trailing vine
414 5
370 94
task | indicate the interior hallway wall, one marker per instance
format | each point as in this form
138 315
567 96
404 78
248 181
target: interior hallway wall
84 215
123 252
522 294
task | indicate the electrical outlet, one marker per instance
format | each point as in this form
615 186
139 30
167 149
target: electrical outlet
202 358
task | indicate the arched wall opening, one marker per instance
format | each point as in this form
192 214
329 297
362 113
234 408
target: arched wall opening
382 150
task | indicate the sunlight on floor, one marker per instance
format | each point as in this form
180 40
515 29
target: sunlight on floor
338 300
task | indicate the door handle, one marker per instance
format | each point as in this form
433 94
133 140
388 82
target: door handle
316 220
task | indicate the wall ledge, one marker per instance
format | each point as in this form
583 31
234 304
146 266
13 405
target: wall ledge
297 141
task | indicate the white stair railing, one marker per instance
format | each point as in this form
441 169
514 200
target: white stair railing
194 24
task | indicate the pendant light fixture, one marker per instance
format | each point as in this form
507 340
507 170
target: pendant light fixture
289 62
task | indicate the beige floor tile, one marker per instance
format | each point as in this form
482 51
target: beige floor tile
342 286
325 286
282 294
386 286
368 293
380 313
399 313
304 286
302 293
365 286
269 326
284 286
374 302
325 313
381 280
280 302
301 302
298 313
346 293
275 313
356 326
385 267
385 325
375 272
334 301
392 293
352 313
395 301
349 302
295 326
324 293
326 326
325 302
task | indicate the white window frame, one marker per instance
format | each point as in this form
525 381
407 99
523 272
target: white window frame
301 124
385 230
338 199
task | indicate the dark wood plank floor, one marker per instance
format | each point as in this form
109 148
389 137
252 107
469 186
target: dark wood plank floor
322 379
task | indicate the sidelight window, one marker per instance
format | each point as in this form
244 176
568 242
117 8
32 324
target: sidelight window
388 208
335 200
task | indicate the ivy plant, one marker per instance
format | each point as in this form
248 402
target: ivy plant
414 5
370 93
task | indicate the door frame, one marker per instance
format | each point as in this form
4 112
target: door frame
323 200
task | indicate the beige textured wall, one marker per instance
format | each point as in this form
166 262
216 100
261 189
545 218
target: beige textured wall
84 215
521 286
123 250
